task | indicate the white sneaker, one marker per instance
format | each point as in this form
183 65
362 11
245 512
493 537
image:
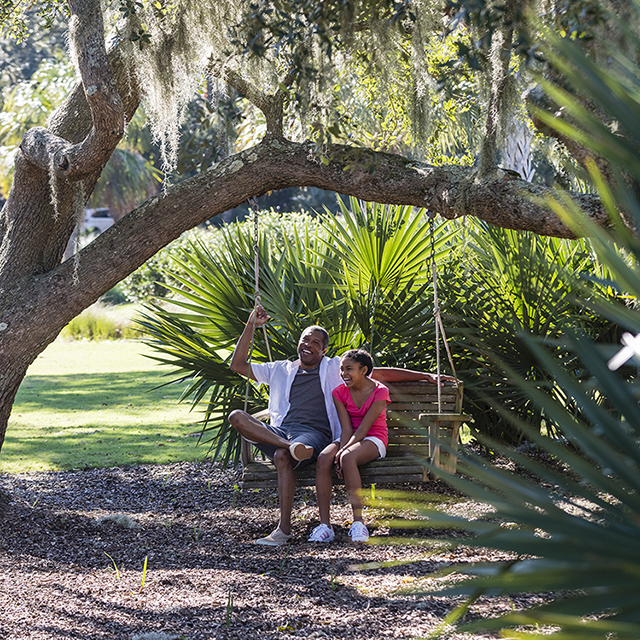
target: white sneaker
322 533
275 539
359 532
300 451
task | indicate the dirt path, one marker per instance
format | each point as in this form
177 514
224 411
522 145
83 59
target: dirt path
59 546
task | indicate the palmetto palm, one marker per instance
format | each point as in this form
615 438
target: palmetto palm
336 272
509 284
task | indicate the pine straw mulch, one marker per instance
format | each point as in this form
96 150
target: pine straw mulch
61 539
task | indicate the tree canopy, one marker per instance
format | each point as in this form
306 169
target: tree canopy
418 102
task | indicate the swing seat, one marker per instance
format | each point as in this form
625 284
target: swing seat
417 433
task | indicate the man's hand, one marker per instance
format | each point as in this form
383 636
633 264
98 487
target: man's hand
393 374
259 316
433 378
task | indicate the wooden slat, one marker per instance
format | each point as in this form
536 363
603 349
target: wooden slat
444 417
423 405
264 474
414 416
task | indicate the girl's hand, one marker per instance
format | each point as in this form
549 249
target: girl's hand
337 461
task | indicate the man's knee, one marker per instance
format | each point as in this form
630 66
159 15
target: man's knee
282 458
237 418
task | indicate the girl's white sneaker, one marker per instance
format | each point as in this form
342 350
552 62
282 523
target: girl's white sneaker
359 532
322 533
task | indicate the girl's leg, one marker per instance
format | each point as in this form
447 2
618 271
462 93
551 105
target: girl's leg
358 454
324 484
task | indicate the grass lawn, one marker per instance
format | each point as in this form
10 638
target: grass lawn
93 404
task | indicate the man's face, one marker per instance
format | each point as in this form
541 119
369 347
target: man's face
310 349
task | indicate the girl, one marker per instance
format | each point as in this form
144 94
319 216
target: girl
361 406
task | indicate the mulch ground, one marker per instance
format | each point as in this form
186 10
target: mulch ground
73 547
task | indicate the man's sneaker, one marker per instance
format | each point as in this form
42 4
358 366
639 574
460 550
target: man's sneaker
300 451
358 532
322 533
275 539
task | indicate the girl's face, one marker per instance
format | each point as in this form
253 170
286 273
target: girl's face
352 372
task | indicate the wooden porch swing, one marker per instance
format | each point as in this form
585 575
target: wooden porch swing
421 417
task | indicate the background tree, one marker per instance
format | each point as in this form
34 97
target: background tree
293 61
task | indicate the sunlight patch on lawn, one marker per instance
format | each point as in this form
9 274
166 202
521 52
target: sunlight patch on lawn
94 404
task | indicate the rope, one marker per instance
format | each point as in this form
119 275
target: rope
439 327
253 204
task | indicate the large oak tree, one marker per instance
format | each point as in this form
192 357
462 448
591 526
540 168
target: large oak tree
280 57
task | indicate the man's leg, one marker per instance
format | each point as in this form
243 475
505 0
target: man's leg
286 487
254 431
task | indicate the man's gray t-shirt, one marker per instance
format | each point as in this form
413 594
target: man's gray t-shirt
307 402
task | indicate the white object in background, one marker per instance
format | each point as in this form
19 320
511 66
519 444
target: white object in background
97 219
631 348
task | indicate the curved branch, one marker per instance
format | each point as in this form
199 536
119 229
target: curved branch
37 307
76 161
452 191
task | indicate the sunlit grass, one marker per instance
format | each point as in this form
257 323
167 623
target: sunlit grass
93 404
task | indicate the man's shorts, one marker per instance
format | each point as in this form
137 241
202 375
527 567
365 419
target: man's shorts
296 433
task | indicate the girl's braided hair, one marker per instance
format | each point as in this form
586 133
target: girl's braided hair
360 356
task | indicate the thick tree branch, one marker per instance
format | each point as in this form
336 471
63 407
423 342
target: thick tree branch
451 191
74 162
38 304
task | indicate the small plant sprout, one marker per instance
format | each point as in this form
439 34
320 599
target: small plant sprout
229 608
334 584
286 555
120 519
237 492
373 491
144 573
115 566
196 532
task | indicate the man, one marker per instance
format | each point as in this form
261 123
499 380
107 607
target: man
303 416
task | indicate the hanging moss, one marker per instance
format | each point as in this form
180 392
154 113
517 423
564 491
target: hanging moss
172 50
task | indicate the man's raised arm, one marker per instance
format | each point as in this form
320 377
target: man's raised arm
240 355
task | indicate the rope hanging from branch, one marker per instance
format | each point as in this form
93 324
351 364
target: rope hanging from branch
439 326
257 299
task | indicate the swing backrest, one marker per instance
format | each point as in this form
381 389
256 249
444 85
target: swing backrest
408 401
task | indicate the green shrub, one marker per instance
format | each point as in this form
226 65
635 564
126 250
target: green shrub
153 278
100 322
506 284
